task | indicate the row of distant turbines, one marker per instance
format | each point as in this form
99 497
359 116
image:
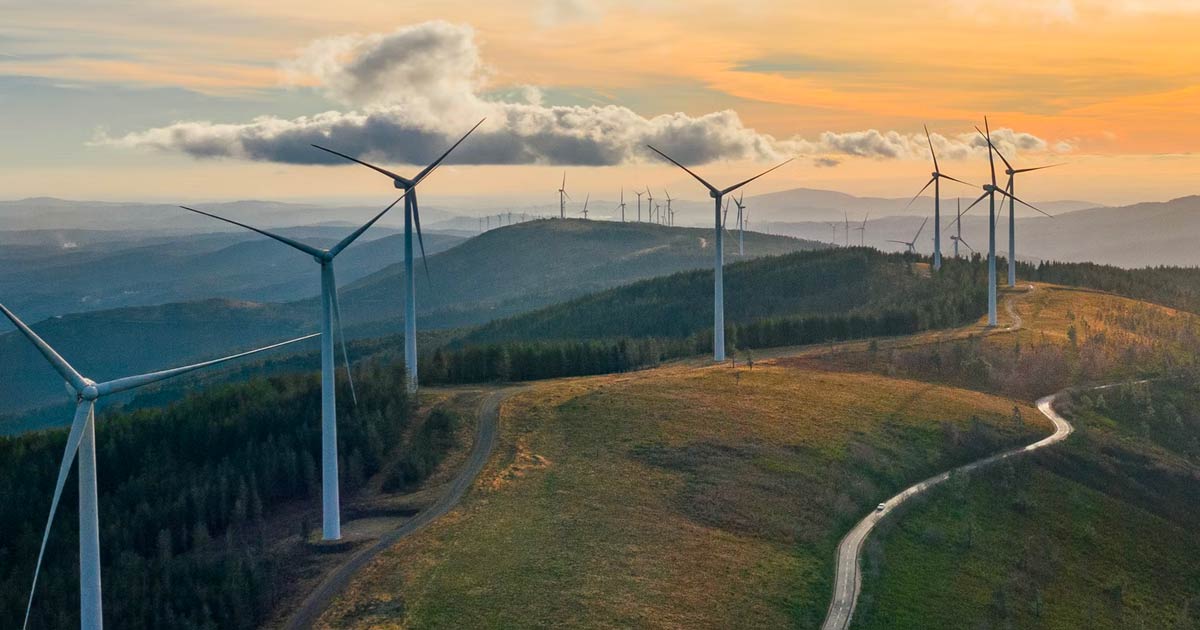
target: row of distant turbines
654 211
81 437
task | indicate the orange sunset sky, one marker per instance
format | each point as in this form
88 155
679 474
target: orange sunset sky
97 95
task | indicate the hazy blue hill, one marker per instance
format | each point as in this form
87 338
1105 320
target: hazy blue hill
242 266
528 265
503 272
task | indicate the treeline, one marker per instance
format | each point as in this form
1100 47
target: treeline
873 294
1177 287
184 492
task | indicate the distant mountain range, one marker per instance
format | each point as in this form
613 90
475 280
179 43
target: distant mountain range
503 272
1144 234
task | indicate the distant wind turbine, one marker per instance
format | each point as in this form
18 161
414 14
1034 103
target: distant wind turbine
935 179
650 205
912 245
563 197
412 218
1012 206
957 240
81 442
833 234
639 196
622 204
331 312
585 203
741 220
670 213
958 220
719 262
862 231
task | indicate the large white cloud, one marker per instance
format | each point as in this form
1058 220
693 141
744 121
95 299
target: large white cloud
412 91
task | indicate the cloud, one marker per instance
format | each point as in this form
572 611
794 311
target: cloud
826 162
411 92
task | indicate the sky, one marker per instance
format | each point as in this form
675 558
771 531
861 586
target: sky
220 99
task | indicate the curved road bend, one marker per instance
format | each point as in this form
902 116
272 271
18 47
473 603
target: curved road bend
847 579
485 440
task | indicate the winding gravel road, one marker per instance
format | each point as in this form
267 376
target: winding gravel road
847 578
310 609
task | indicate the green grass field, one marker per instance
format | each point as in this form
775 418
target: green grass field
677 497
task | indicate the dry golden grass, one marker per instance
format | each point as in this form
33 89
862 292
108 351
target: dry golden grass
673 498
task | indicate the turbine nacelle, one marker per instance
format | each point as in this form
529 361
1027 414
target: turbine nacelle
990 188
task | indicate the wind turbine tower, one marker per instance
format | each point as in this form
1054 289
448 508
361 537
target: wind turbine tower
650 204
563 197
741 221
717 195
412 218
935 179
585 203
862 231
81 444
1012 206
622 204
639 196
670 213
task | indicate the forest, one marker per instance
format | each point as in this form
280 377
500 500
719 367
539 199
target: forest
183 494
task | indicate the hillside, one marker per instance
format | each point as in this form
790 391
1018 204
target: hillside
674 497
43 282
501 272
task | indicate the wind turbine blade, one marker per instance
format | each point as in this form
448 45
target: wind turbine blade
586 199
421 239
931 152
344 243
1018 200
991 147
967 245
689 171
564 184
927 184
920 229
83 414
429 169
60 364
740 184
957 180
307 249
997 150
864 223
895 241
337 317
131 382
973 204
402 180
1036 168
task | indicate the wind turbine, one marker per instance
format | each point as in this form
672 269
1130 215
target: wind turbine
563 197
935 179
639 196
81 442
412 217
741 224
912 245
1012 206
585 203
650 204
670 214
989 191
718 265
847 215
862 231
958 220
833 234
330 312
957 240
622 204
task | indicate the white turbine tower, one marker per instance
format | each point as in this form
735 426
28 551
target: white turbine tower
331 528
622 206
935 179
862 231
1012 206
741 220
585 203
670 213
81 441
412 218
649 205
639 196
563 197
718 265
989 191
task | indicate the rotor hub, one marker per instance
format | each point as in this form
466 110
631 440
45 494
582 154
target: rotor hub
89 391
